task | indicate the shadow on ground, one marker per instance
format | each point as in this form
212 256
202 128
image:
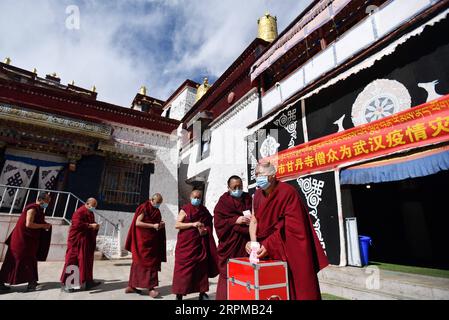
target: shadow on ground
109 285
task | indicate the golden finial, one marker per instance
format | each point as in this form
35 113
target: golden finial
267 27
34 70
72 83
202 89
143 90
94 89
7 60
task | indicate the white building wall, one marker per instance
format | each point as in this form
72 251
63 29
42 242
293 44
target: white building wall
165 181
228 151
365 33
181 104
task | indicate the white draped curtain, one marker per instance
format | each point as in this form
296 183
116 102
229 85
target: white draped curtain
16 174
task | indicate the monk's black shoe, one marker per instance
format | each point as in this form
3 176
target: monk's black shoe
3 288
92 284
203 296
179 297
67 289
34 287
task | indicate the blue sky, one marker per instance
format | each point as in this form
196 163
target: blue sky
121 45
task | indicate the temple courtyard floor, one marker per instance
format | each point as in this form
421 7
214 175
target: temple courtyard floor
336 283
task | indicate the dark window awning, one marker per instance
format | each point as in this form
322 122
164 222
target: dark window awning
412 166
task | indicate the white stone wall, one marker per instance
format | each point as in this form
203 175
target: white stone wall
181 104
165 181
227 150
123 219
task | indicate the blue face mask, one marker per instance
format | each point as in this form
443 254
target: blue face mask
195 202
236 193
44 205
157 205
262 182
91 209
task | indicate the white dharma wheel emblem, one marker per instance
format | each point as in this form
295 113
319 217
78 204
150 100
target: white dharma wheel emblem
381 98
269 147
379 107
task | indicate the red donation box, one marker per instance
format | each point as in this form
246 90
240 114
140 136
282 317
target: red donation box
265 280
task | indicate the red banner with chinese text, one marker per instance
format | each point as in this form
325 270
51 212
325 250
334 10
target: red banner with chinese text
422 125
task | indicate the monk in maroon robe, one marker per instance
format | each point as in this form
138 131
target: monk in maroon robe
146 241
282 226
81 245
28 243
232 229
195 252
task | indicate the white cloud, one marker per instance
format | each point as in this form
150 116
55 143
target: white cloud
124 44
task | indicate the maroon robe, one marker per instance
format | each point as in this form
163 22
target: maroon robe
147 247
81 245
284 228
232 237
195 255
25 248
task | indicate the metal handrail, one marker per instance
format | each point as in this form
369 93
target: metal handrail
108 235
69 195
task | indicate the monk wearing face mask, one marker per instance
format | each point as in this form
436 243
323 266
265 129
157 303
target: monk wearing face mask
196 252
232 230
81 245
147 242
28 243
282 226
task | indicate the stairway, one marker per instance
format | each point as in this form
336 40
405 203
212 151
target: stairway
372 283
58 213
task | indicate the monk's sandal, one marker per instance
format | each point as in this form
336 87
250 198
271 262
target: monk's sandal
4 288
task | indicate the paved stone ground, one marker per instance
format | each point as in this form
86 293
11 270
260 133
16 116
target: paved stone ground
114 277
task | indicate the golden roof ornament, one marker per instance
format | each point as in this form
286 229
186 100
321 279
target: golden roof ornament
143 90
202 89
34 70
267 27
54 75
94 89
7 60
72 83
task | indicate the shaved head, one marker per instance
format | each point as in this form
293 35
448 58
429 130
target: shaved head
265 168
44 196
157 197
92 202
196 194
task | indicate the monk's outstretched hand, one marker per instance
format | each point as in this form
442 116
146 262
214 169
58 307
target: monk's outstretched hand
197 224
202 230
242 220
94 226
46 226
262 252
248 247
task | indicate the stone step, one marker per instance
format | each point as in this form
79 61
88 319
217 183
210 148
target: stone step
415 286
373 279
352 293
98 255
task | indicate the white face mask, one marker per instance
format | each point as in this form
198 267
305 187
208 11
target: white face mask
263 182
156 205
237 193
